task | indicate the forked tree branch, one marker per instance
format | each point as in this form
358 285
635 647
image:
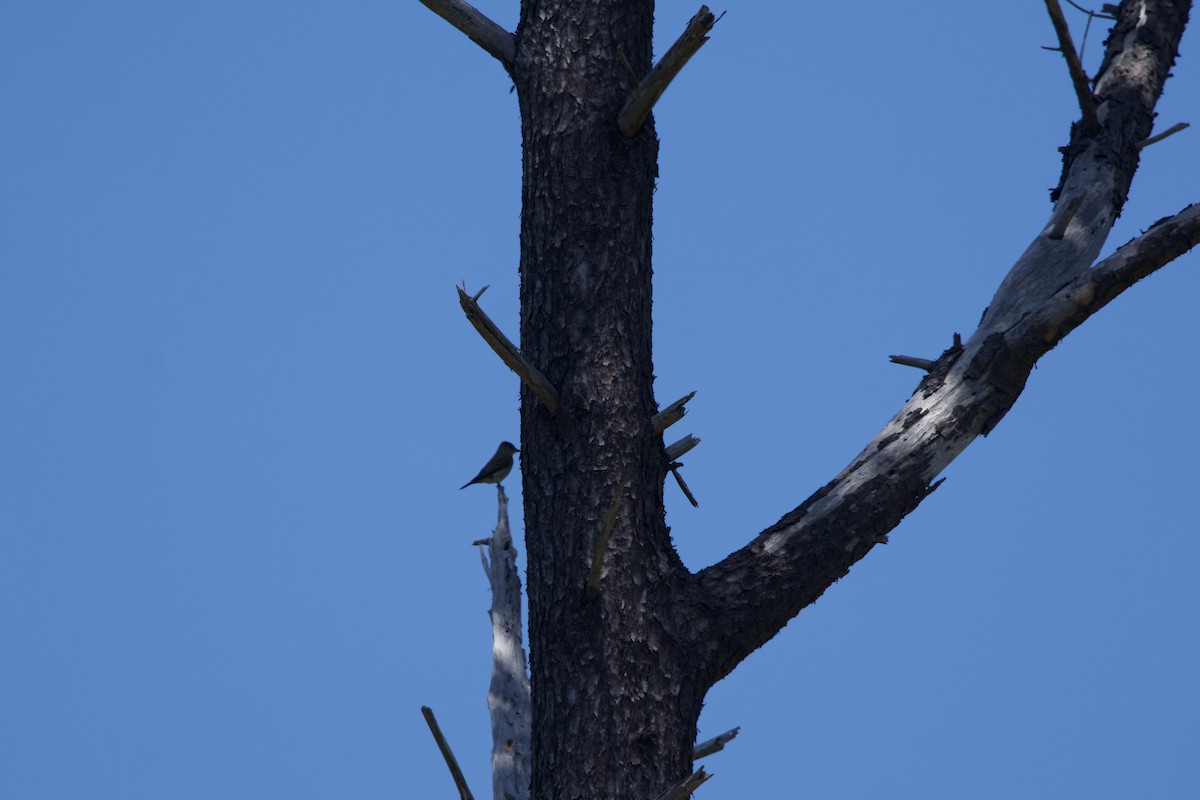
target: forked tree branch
1054 287
1079 78
491 37
1165 241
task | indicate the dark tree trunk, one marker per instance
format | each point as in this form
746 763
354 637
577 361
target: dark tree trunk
614 712
618 681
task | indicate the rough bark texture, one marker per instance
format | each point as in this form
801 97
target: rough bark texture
618 681
613 713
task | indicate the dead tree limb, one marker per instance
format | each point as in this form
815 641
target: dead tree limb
715 744
1054 287
507 351
676 450
1171 131
482 31
671 414
509 693
643 97
913 361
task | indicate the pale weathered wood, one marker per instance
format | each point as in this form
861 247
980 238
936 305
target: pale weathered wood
1054 287
671 414
715 744
1158 137
676 450
508 694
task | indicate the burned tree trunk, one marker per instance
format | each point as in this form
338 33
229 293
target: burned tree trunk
620 670
615 704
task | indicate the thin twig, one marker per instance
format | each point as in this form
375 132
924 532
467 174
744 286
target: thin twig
1079 78
1087 27
1158 137
646 93
671 414
447 753
507 351
1088 11
674 467
593 582
713 745
498 42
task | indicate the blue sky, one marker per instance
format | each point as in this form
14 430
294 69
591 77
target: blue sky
240 398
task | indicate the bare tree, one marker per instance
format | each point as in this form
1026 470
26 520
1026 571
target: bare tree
625 641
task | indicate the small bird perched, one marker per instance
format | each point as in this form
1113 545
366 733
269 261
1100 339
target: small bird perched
497 468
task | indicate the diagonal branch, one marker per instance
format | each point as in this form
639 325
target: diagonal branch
643 97
491 37
460 782
1171 131
788 566
1054 287
508 352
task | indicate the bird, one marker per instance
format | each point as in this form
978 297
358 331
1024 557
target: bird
497 467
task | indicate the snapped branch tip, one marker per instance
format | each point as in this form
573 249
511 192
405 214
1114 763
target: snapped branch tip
912 361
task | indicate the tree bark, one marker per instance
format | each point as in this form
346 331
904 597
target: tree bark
614 709
751 594
618 679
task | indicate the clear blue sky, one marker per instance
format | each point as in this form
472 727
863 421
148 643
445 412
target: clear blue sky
239 398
